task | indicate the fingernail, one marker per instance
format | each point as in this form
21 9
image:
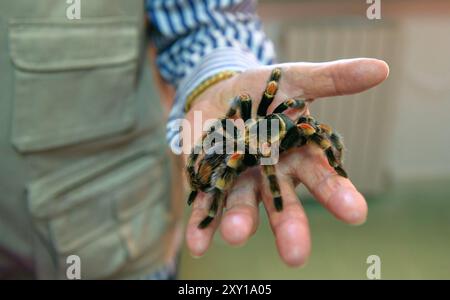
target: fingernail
196 256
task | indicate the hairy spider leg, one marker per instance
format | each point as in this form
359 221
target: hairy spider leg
292 138
330 151
224 178
190 169
334 153
275 75
195 153
269 92
269 172
218 197
336 140
290 103
319 134
242 103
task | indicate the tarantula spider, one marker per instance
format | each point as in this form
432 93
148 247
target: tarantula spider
216 171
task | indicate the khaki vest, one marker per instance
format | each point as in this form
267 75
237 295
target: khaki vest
83 163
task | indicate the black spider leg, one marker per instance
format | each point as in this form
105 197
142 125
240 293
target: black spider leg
332 144
336 139
197 149
293 138
320 134
190 169
290 103
274 186
338 148
269 92
327 146
224 178
243 103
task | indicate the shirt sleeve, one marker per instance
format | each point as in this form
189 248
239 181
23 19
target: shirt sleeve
196 39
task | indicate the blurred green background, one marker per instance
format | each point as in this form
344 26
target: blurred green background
408 228
398 145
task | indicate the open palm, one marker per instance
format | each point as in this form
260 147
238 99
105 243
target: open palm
307 165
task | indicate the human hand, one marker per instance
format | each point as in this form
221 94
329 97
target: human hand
307 164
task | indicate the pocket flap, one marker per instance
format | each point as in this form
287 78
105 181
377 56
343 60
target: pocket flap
43 45
76 205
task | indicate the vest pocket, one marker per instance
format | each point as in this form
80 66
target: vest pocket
74 81
107 210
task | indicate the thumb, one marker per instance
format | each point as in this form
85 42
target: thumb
341 77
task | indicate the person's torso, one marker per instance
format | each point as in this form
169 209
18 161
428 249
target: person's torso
81 129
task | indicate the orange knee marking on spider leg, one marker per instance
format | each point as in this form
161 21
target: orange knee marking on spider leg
234 159
272 88
306 128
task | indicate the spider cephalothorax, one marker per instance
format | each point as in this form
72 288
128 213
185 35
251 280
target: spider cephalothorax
214 171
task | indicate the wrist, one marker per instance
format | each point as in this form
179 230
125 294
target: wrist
230 59
220 60
210 82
